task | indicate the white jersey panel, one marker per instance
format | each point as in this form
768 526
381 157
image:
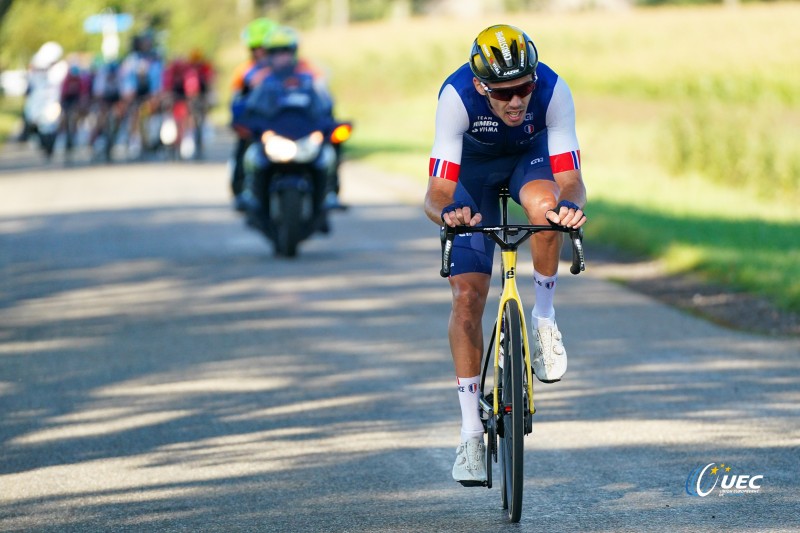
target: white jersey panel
452 121
560 121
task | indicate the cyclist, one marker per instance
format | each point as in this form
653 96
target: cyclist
76 92
106 86
141 74
503 118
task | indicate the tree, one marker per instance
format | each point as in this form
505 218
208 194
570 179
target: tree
185 24
5 5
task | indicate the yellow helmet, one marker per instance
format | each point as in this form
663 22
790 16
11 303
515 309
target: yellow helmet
282 37
502 53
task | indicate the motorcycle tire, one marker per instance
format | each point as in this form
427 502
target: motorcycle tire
48 142
288 222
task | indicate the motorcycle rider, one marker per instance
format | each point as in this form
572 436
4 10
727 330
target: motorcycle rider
46 74
254 37
283 74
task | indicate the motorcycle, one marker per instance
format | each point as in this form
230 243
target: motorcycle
42 109
289 168
291 187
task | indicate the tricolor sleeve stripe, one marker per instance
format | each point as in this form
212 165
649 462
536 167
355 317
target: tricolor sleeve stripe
439 168
566 161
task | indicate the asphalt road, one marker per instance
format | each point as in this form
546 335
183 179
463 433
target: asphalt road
160 370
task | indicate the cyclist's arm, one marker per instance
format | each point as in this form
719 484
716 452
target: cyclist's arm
565 157
452 120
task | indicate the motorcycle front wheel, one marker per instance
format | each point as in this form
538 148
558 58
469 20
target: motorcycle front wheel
287 221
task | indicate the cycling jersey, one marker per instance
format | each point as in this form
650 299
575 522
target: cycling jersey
75 88
478 151
185 79
106 83
140 75
464 122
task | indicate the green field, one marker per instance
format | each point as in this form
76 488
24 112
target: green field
689 122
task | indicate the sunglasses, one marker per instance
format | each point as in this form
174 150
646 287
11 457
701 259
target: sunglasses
507 93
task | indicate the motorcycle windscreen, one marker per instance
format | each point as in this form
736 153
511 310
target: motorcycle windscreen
290 111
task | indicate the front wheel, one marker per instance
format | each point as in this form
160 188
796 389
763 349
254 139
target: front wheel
512 411
48 143
286 212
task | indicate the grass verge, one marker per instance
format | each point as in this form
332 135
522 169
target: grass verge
10 110
688 143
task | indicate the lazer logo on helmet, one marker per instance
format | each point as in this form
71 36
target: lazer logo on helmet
504 49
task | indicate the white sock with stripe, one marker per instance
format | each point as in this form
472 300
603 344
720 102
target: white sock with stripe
471 424
545 288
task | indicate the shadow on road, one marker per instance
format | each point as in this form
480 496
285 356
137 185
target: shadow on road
160 368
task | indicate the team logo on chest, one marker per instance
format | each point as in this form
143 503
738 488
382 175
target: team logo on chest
484 124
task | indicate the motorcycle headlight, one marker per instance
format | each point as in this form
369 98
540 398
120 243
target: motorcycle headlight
283 150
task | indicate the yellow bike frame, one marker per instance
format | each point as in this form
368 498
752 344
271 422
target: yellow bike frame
510 292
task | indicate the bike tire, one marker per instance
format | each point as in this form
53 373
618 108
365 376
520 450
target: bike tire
512 411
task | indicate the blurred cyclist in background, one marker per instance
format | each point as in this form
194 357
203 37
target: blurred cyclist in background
76 95
108 106
186 86
141 75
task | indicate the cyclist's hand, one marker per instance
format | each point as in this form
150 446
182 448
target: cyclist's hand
566 214
457 214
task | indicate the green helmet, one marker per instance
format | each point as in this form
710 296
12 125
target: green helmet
282 37
257 31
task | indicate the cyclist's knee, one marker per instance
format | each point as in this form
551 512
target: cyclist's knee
536 202
469 292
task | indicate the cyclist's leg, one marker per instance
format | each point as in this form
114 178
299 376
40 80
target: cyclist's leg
470 279
471 269
533 186
478 186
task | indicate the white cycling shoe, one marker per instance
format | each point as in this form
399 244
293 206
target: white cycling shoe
549 355
470 466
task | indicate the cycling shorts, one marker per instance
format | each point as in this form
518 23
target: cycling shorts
479 183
